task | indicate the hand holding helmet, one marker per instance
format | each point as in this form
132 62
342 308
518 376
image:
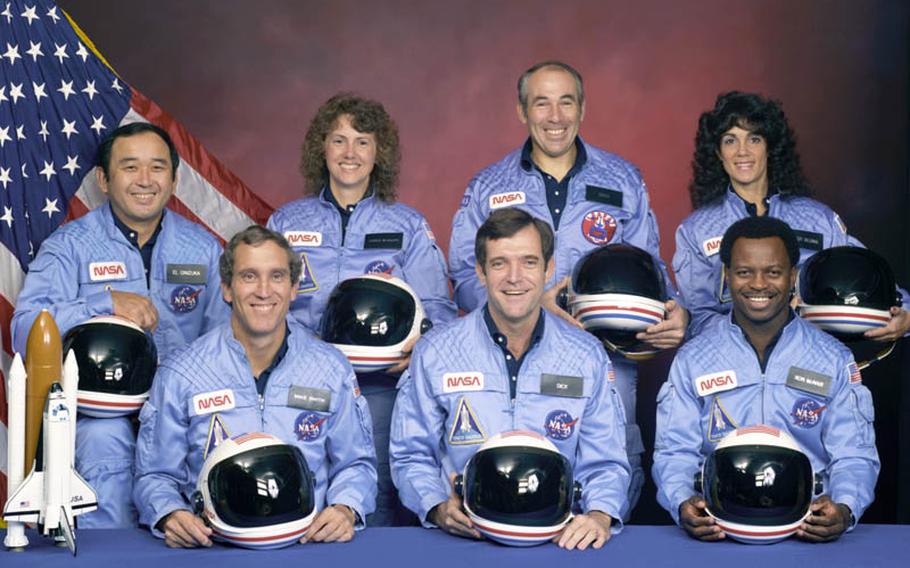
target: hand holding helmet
256 492
519 490
618 293
757 485
851 293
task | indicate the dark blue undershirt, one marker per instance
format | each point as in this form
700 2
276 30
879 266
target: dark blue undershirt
513 365
263 378
557 190
344 211
764 363
146 249
751 208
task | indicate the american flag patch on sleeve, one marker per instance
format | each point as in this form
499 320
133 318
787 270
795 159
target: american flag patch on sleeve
855 376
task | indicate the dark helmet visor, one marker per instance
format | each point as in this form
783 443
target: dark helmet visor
519 486
758 485
262 487
619 269
112 358
369 313
848 276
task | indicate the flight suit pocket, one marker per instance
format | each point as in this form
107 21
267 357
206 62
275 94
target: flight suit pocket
864 415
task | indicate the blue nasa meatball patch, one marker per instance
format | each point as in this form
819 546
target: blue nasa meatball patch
378 267
560 425
807 412
185 299
309 426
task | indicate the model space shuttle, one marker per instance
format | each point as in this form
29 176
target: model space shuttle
42 432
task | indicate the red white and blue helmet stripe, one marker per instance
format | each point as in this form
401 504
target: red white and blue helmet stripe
100 405
370 359
616 311
845 319
270 541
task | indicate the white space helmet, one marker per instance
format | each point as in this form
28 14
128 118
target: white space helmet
518 489
117 362
257 492
370 318
758 484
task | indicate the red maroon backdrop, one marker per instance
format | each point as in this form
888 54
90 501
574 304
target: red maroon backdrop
246 77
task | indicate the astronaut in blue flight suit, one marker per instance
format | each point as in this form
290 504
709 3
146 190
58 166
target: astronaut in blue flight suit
764 352
350 225
745 163
262 372
526 369
133 259
589 197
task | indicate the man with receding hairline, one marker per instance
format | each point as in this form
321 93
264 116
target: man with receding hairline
589 198
513 346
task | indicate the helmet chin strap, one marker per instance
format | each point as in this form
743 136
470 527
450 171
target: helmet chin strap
631 355
877 357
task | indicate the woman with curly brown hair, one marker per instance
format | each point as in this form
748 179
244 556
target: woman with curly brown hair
349 224
745 163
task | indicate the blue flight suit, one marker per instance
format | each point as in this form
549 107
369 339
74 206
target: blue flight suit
832 421
699 271
607 203
178 427
440 422
72 276
376 237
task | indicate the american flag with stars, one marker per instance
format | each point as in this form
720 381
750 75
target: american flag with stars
58 100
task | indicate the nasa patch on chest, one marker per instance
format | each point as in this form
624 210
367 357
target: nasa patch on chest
711 246
303 238
104 271
214 401
507 199
462 382
715 382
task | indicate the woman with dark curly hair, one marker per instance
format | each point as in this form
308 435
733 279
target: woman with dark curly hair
349 224
746 163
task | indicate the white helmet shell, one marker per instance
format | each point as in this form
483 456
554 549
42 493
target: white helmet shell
255 537
368 359
509 533
793 465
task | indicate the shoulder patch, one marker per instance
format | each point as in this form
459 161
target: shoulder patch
214 401
598 227
104 271
463 381
507 199
853 371
218 433
303 238
715 382
466 429
307 278
711 246
720 424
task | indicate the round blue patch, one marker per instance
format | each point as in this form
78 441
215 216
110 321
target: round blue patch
309 426
378 267
184 299
560 425
807 412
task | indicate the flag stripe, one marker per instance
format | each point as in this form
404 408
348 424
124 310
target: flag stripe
56 106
